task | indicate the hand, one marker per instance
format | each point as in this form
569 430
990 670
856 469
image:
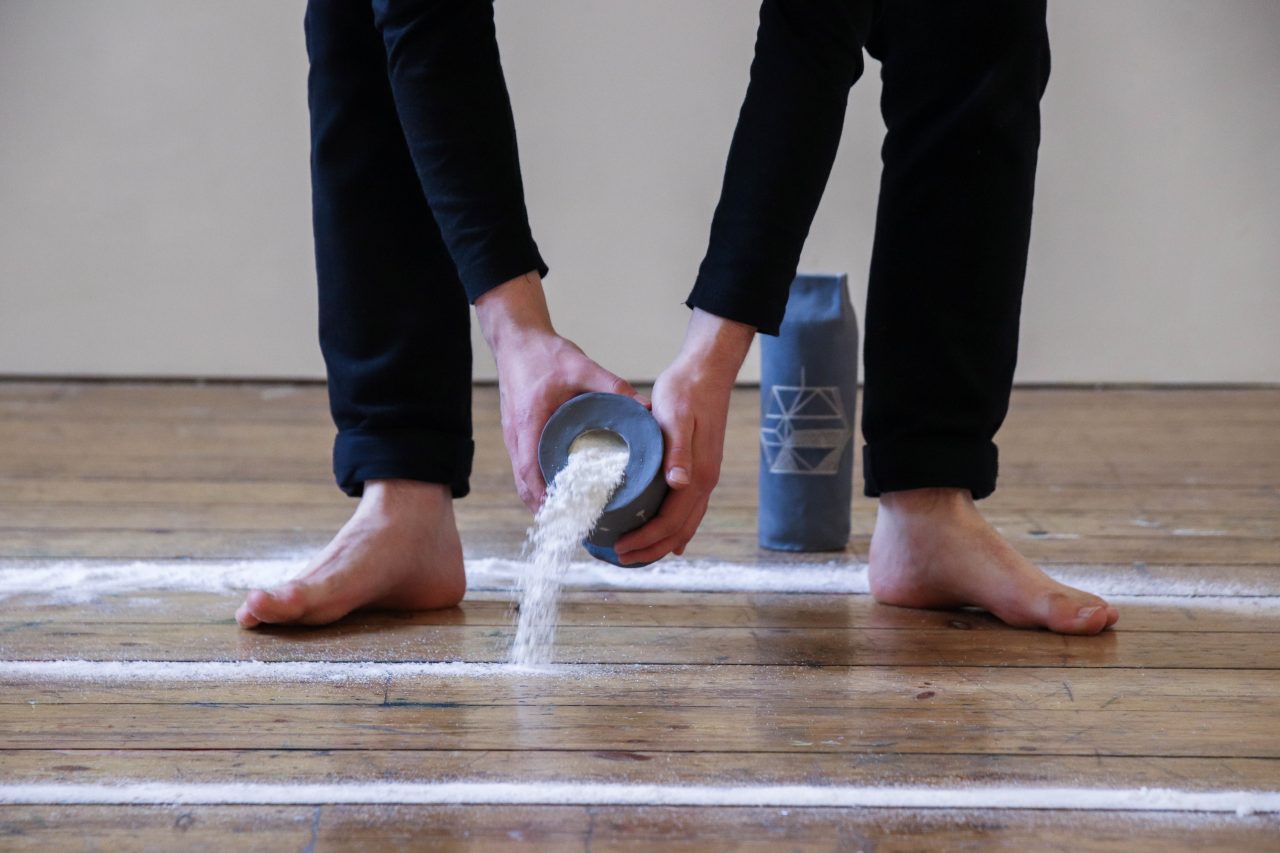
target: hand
538 370
533 381
691 404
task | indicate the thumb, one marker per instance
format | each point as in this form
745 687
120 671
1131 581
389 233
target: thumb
677 459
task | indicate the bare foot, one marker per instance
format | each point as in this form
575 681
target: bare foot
932 549
399 551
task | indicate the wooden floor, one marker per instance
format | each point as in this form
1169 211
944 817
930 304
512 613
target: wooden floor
1158 489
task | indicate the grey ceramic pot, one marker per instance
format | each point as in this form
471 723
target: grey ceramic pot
643 486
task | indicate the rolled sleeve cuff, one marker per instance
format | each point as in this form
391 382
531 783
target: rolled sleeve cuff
751 294
497 264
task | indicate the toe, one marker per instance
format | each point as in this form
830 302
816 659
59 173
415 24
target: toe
1090 619
246 618
1075 614
280 605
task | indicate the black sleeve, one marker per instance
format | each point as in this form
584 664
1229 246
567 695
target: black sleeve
808 55
451 96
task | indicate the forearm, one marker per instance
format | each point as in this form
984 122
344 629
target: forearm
452 102
807 57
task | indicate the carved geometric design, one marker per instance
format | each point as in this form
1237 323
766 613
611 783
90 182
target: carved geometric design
805 430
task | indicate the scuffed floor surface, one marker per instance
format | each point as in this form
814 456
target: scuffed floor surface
735 699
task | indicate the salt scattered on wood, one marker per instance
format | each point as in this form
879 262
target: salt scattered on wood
279 671
82 581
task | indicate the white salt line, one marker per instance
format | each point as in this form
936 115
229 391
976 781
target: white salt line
1241 605
82 582
596 794
280 671
687 576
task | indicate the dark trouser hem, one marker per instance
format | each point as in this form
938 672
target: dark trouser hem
404 454
923 464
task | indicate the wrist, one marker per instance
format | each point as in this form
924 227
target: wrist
513 312
716 344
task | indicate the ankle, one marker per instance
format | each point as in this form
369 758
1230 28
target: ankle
395 496
928 501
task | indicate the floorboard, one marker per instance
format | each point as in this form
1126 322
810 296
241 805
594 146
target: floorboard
1169 500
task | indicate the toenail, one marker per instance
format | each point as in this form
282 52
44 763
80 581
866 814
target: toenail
1086 612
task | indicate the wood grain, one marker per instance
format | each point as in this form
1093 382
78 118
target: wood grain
618 609
1154 489
1206 692
636 766
556 828
952 646
782 728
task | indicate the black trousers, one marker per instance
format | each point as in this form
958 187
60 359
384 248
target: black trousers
962 85
418 208
961 95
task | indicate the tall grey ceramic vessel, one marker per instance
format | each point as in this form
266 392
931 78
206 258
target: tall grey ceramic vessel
808 386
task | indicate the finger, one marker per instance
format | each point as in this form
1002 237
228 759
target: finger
654 552
677 458
529 496
593 377
511 438
603 380
526 494
691 526
659 530
675 543
670 519
532 487
625 388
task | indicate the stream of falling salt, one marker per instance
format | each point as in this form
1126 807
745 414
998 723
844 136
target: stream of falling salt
575 500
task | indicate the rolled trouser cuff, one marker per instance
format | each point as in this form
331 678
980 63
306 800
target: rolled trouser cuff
893 466
403 454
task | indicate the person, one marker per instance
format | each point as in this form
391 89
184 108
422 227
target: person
419 207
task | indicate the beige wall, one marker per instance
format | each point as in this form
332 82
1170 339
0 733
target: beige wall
154 199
